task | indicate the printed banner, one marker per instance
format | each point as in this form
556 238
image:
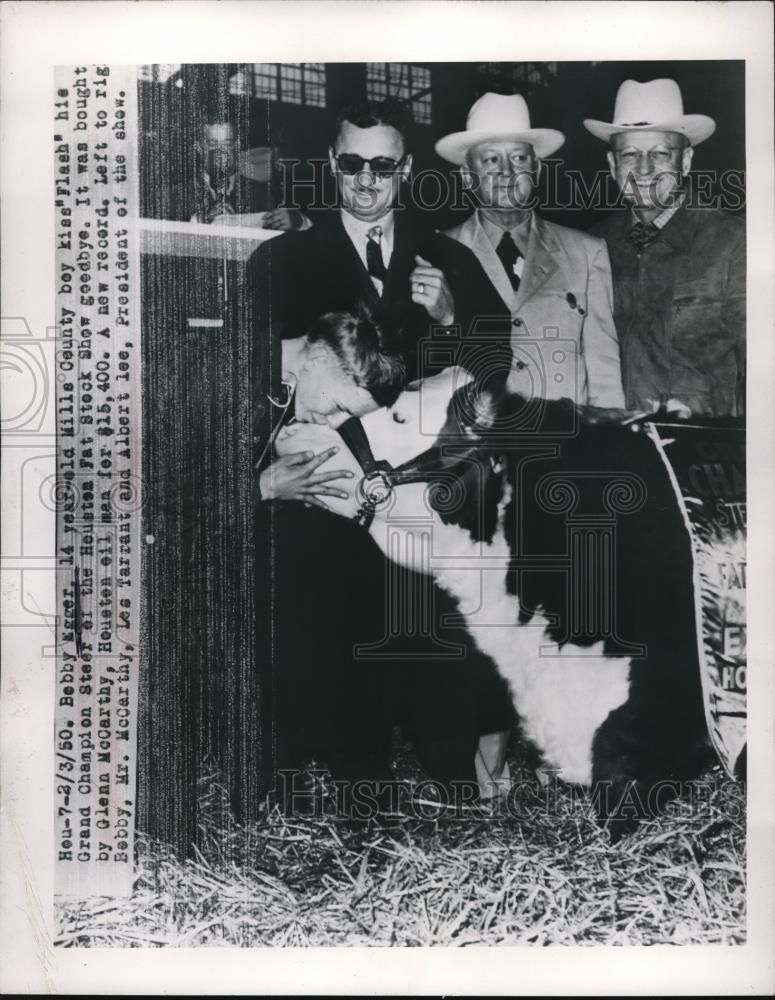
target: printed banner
707 469
98 477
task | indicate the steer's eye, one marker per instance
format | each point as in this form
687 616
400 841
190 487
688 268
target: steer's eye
398 418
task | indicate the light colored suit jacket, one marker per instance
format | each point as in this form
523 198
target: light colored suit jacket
563 335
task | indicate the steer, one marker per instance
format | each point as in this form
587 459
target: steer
557 531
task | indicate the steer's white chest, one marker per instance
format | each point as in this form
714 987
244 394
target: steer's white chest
562 696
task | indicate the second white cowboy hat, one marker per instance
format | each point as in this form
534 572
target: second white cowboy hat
656 106
499 116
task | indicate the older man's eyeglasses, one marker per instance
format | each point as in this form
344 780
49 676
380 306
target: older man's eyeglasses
659 156
380 166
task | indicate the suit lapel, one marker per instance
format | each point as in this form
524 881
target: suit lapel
473 236
540 261
342 244
401 260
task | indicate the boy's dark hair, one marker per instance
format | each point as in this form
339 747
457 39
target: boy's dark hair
366 114
358 343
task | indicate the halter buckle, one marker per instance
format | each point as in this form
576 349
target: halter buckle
375 489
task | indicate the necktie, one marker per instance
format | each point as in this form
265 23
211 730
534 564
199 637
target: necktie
642 233
509 255
374 260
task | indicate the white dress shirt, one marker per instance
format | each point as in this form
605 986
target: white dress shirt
358 231
519 233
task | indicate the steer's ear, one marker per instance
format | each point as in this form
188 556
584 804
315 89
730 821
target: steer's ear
474 409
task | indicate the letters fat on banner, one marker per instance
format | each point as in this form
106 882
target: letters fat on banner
98 477
707 469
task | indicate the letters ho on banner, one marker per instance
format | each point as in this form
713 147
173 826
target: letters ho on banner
98 476
707 469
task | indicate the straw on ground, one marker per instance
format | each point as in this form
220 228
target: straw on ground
543 875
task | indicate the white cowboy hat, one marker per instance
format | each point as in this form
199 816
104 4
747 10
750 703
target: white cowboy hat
656 106
499 116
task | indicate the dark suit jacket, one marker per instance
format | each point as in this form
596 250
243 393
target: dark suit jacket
295 278
679 308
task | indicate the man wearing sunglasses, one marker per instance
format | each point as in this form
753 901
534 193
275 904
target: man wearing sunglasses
373 254
678 269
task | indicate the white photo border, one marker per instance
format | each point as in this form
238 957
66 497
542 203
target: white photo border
37 36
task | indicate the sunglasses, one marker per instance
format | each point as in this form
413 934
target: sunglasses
380 166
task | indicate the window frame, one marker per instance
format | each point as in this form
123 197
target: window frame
381 83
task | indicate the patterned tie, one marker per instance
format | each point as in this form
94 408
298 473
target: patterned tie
374 260
642 233
509 255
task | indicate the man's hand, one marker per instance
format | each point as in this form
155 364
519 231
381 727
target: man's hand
293 477
672 406
430 290
284 218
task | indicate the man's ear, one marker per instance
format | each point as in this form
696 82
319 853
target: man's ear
469 178
407 167
539 164
331 160
611 163
316 354
686 160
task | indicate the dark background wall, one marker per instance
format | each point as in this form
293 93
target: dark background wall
560 95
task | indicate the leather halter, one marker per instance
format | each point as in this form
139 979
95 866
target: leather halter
377 484
380 477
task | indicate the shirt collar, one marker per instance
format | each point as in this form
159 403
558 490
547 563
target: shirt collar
661 220
358 230
520 234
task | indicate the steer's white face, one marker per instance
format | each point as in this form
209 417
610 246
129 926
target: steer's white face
403 431
397 434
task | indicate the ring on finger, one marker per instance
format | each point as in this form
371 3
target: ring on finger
421 288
